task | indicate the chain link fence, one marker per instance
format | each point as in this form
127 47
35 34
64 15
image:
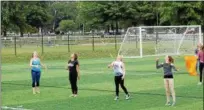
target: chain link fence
41 41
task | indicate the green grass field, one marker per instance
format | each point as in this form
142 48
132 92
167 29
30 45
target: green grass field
96 86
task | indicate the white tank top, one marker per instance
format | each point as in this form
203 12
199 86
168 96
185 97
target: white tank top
117 68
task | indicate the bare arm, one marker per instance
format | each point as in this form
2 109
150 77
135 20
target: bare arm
31 62
110 65
78 72
43 65
66 67
123 68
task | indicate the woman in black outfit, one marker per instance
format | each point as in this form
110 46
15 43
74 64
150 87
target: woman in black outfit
73 67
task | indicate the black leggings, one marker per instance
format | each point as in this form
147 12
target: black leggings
119 81
73 82
201 66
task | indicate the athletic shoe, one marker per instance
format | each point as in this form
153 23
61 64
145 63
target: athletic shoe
173 104
200 83
168 104
75 95
127 97
71 95
38 92
116 98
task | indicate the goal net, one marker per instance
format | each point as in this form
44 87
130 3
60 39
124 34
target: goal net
146 41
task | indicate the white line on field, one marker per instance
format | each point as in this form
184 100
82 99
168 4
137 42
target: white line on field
14 108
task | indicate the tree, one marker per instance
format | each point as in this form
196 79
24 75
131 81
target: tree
23 15
89 14
5 18
67 25
181 13
37 16
62 11
13 14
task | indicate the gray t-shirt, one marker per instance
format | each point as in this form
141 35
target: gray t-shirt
166 67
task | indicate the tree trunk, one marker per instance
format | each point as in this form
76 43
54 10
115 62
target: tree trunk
21 32
107 28
116 26
4 32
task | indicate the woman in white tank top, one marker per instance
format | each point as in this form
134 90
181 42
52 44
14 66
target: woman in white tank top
119 73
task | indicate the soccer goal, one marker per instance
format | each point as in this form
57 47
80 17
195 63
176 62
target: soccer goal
146 41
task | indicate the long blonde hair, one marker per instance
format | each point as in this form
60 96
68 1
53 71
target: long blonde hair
34 53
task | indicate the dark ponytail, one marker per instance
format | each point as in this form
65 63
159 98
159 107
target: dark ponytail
171 60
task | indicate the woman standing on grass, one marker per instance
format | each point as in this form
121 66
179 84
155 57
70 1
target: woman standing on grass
119 72
201 63
35 65
196 54
168 78
73 67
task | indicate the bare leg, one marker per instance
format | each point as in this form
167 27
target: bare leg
37 89
166 85
34 91
171 85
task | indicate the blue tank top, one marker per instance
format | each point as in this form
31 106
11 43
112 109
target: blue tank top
36 62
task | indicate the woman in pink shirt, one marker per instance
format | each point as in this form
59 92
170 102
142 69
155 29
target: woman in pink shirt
201 63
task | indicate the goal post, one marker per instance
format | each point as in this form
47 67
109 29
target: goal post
147 41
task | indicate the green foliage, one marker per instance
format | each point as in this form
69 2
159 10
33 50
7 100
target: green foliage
37 14
62 11
23 14
67 25
181 13
99 14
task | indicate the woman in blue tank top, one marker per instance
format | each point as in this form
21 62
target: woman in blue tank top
35 65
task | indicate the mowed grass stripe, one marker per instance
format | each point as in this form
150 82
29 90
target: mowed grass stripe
134 84
139 100
144 82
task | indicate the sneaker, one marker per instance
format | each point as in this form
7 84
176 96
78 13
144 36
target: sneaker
173 104
71 95
168 104
200 83
116 98
75 95
127 97
38 92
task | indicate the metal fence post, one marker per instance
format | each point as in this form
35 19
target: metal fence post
68 42
15 45
42 40
93 40
115 41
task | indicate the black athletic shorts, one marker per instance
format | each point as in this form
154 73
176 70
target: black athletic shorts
168 76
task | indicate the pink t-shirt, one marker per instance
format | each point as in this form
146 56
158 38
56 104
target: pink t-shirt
201 56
